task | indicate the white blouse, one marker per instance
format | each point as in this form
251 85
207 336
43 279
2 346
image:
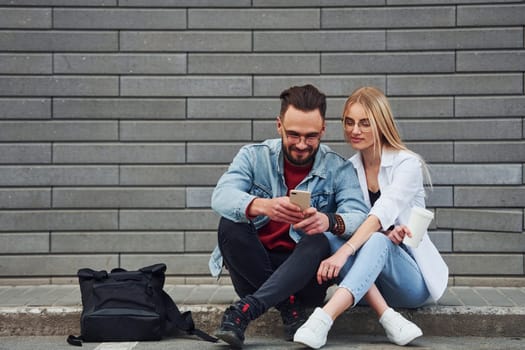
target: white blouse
401 185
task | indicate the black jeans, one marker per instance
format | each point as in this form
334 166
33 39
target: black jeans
272 277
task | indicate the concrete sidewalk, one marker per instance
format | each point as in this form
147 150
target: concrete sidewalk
463 311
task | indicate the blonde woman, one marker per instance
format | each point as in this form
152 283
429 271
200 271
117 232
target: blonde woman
374 263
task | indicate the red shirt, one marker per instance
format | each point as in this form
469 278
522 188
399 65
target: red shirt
274 235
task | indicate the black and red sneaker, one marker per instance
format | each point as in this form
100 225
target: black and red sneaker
293 315
233 324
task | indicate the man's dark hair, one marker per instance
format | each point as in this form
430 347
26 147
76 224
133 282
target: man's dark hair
305 98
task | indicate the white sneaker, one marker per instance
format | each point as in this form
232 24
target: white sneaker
314 331
398 329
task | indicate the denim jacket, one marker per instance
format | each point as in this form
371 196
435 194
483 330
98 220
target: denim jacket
257 172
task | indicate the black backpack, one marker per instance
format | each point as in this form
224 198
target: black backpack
129 306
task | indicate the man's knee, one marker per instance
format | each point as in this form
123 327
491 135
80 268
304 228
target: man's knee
315 245
229 229
226 225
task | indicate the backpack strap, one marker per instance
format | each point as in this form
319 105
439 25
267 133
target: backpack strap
74 340
182 321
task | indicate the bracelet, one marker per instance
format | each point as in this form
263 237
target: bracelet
351 246
339 227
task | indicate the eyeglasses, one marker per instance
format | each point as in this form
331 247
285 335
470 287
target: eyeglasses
294 137
363 124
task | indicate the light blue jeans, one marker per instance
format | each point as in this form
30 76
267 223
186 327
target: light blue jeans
393 270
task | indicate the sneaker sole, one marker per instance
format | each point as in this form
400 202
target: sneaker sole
409 339
230 338
298 338
306 344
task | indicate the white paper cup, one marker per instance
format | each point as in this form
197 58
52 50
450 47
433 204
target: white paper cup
418 223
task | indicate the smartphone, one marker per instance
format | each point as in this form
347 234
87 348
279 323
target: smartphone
300 198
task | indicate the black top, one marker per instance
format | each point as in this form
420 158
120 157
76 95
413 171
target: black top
373 196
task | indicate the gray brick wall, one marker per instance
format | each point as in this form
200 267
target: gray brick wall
117 117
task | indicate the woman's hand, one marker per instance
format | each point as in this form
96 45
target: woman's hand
397 234
330 267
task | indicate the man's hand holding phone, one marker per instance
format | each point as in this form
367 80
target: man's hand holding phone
314 222
278 209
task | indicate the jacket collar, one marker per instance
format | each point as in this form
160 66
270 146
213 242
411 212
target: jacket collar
387 159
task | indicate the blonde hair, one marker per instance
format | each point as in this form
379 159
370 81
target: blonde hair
384 128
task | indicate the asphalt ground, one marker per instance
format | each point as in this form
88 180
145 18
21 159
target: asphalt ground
268 343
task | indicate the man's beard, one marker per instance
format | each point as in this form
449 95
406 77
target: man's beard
299 162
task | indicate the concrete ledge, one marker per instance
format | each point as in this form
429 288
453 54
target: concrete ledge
434 320
28 321
444 321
